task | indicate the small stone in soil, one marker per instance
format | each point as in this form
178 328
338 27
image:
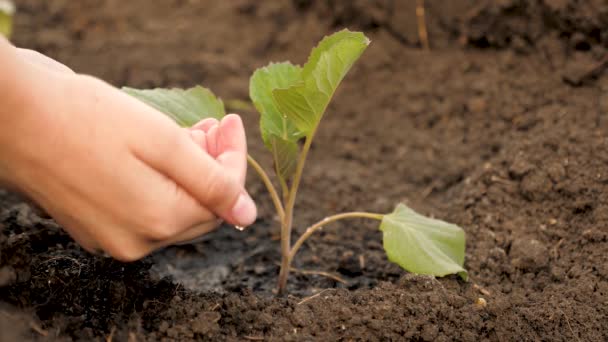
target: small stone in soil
480 303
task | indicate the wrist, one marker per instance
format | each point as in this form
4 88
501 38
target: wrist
14 100
28 101
8 104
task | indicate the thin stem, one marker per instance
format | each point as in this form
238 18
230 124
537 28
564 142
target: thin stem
288 222
291 199
310 230
284 189
269 186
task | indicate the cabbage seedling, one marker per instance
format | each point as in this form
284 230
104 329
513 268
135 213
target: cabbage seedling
292 100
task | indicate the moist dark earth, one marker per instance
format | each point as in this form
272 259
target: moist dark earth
500 128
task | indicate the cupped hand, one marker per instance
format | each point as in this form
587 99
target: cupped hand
118 175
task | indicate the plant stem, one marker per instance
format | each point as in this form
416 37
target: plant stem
310 230
269 186
288 222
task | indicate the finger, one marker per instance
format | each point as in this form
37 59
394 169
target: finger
228 144
39 59
231 146
182 160
205 124
147 208
187 212
200 138
212 135
164 209
173 153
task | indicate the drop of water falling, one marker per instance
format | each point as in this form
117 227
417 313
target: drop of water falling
239 228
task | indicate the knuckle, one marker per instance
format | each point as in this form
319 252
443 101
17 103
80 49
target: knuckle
220 190
128 255
156 224
159 232
126 252
159 229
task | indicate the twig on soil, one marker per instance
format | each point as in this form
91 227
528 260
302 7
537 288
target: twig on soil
422 32
500 180
482 290
320 273
306 299
429 189
38 329
555 249
362 261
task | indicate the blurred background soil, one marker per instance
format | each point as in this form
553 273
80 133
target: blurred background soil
500 128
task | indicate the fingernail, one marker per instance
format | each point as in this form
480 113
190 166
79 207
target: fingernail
244 211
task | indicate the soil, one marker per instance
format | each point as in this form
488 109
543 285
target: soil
500 128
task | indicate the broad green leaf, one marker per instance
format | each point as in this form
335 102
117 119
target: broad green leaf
186 107
329 43
279 133
7 10
305 102
423 245
285 155
261 85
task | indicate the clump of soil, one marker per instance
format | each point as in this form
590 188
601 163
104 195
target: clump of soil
495 140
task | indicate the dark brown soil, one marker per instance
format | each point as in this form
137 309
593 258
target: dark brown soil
500 128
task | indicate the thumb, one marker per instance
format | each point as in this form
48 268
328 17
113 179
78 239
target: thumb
217 188
214 187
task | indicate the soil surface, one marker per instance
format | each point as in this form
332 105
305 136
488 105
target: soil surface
500 128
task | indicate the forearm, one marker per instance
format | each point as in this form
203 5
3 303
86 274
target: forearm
8 100
20 98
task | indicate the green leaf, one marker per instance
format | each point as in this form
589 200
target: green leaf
423 245
279 133
186 107
7 10
285 156
305 102
330 42
261 85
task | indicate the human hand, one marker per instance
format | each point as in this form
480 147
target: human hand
116 174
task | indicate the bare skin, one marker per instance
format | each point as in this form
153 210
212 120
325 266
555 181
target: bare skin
119 176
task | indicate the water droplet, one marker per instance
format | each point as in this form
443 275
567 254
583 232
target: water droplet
241 228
